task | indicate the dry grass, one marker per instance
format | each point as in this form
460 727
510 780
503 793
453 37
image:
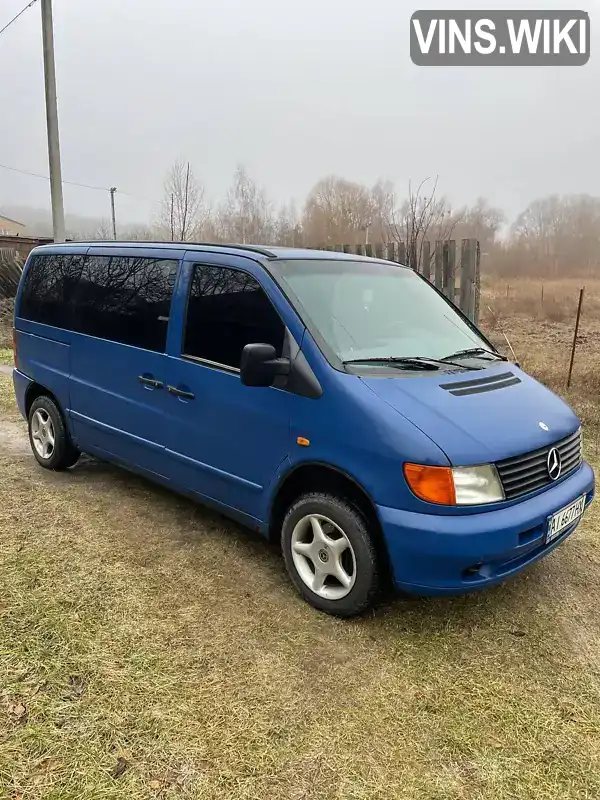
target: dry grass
6 356
6 322
542 336
150 649
8 409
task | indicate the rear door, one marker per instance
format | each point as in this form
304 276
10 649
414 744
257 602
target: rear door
226 440
118 362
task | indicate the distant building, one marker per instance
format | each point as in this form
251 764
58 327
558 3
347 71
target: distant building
10 227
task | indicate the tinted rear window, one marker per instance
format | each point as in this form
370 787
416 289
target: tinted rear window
120 298
125 300
49 287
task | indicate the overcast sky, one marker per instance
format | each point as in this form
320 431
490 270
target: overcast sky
294 90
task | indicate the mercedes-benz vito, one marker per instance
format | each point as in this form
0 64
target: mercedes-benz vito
340 405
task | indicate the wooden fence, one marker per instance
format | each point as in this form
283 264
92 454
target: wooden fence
13 253
455 273
10 273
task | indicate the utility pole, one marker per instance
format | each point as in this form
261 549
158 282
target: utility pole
58 211
112 209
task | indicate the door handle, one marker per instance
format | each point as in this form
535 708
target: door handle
181 393
150 382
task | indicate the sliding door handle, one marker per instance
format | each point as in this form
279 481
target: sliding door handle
151 382
181 393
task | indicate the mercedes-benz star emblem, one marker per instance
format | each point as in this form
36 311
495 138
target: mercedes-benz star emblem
554 464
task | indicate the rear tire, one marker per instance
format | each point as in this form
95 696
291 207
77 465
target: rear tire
48 436
330 555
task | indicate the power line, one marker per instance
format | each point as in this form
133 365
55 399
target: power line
15 18
74 183
46 178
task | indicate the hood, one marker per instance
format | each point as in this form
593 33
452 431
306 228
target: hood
479 417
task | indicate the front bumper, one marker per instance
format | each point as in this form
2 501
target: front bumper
451 554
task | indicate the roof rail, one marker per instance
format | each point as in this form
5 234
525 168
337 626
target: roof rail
251 247
141 242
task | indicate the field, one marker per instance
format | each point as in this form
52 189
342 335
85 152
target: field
541 334
150 649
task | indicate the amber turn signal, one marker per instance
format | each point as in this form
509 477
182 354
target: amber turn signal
433 484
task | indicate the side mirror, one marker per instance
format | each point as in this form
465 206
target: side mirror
260 365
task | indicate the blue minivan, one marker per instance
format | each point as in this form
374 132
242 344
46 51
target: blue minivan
340 405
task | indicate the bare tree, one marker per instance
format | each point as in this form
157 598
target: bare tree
482 222
421 217
136 233
288 229
183 211
338 211
103 231
246 215
559 235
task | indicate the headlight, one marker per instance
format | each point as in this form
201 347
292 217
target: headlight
477 485
457 486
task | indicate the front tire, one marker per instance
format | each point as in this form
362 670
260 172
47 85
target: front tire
48 436
330 555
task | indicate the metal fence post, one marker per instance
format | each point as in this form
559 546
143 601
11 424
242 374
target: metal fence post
581 291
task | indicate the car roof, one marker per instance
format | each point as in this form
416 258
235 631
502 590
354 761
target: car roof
266 252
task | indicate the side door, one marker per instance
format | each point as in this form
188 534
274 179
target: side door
226 440
118 362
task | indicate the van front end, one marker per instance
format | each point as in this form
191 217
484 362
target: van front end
436 554
514 484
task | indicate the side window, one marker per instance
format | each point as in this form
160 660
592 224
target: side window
49 288
228 309
126 300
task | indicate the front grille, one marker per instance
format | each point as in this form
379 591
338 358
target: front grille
528 473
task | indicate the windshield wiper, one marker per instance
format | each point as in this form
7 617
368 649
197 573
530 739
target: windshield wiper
417 362
475 351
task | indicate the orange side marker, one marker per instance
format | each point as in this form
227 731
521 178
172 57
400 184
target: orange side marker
302 441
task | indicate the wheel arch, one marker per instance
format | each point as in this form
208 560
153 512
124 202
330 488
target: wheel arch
35 390
323 477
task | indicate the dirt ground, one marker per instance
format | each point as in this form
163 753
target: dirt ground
151 649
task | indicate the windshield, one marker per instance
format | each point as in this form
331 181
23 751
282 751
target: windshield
365 310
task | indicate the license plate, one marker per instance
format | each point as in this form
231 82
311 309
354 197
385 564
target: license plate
564 518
